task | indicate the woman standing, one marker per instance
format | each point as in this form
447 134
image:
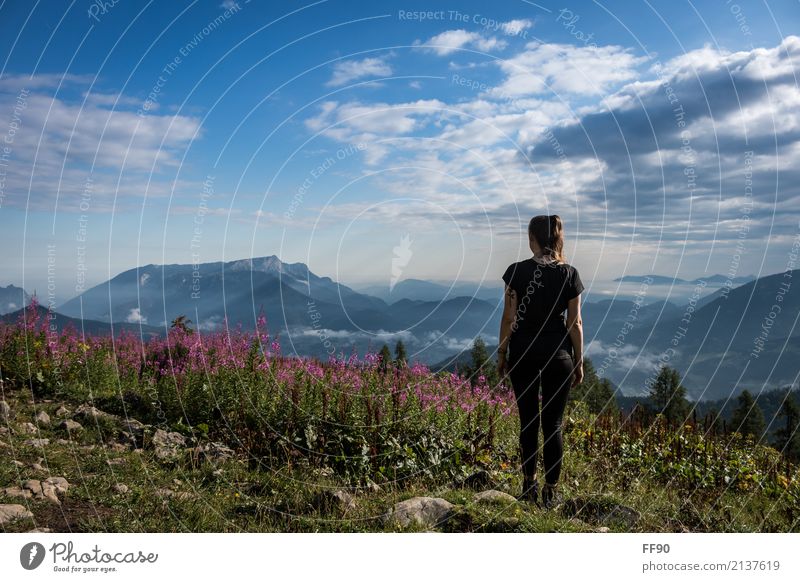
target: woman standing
543 349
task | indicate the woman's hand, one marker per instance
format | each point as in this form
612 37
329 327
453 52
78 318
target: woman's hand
577 374
502 367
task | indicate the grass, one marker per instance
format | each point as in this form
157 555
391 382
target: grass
244 495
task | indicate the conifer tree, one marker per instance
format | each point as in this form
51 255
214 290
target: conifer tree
747 418
668 396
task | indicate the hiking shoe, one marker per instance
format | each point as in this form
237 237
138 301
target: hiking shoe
530 491
550 496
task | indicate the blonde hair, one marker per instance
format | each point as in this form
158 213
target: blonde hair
548 231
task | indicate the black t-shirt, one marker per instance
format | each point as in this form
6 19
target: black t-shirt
543 291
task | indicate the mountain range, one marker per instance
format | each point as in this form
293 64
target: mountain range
711 340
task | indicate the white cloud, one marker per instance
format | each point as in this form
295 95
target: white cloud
545 68
346 71
451 40
515 27
15 82
135 316
58 140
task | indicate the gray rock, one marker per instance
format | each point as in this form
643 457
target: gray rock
37 467
5 410
88 412
212 452
47 489
70 426
43 418
601 511
339 500
424 511
60 484
38 443
494 496
167 444
602 529
41 490
121 488
62 411
17 492
162 438
28 427
40 530
12 512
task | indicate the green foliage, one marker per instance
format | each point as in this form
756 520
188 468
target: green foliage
482 364
748 420
401 359
386 358
788 436
668 396
596 392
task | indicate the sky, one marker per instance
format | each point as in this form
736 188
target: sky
377 141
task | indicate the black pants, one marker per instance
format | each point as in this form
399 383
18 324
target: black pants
554 376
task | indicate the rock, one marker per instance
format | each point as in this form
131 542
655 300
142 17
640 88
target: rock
116 461
121 488
70 426
339 500
38 443
603 529
5 410
477 480
28 427
43 418
494 496
212 452
37 467
62 412
170 494
166 444
13 512
424 511
89 412
34 486
17 492
40 530
18 463
601 511
48 489
133 433
162 438
4 445
60 484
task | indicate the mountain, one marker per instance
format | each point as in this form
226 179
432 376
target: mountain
664 280
429 291
12 298
731 342
86 326
317 314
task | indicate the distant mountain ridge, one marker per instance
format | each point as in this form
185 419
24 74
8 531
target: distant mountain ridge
12 298
664 280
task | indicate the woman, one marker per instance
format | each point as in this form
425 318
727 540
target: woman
542 347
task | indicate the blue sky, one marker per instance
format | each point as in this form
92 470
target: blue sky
358 137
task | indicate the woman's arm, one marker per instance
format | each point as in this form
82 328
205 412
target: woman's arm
506 322
575 327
